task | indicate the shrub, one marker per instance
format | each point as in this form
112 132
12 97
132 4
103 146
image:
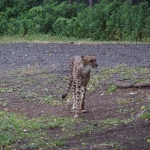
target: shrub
107 20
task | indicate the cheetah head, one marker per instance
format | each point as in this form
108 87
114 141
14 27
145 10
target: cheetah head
89 61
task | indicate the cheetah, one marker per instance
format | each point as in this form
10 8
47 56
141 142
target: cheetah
80 68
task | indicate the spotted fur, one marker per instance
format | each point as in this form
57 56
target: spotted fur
80 68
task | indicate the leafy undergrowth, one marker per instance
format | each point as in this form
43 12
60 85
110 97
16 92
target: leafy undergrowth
35 86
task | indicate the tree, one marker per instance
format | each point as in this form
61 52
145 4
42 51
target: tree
90 3
70 1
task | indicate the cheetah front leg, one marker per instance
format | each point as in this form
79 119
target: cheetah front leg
83 91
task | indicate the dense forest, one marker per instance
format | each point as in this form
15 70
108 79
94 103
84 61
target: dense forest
109 20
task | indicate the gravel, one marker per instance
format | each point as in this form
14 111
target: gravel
55 56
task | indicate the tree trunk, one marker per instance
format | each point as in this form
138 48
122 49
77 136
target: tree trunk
90 3
70 1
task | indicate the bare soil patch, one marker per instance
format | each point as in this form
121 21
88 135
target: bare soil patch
33 77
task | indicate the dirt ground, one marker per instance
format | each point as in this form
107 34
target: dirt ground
54 58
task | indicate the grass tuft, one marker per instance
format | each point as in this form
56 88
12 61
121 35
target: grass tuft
112 89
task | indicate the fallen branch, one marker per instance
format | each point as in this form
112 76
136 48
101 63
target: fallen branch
128 84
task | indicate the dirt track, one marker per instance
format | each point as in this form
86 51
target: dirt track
101 106
55 56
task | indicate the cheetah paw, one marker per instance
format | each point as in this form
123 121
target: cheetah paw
76 116
73 108
84 111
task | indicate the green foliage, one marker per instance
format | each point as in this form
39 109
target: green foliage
112 89
145 116
111 21
59 143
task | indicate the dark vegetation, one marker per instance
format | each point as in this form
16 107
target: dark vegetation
106 20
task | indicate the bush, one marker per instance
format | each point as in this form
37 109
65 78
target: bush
115 21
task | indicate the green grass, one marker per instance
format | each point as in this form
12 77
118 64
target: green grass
106 145
15 128
101 125
145 116
3 90
33 84
42 38
112 89
59 143
123 72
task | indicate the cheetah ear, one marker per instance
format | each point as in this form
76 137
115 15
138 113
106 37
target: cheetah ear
83 60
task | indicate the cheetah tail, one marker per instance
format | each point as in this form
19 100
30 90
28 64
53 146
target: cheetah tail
64 95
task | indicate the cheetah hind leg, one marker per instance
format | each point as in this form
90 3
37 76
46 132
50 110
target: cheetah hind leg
73 106
83 111
74 95
73 109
